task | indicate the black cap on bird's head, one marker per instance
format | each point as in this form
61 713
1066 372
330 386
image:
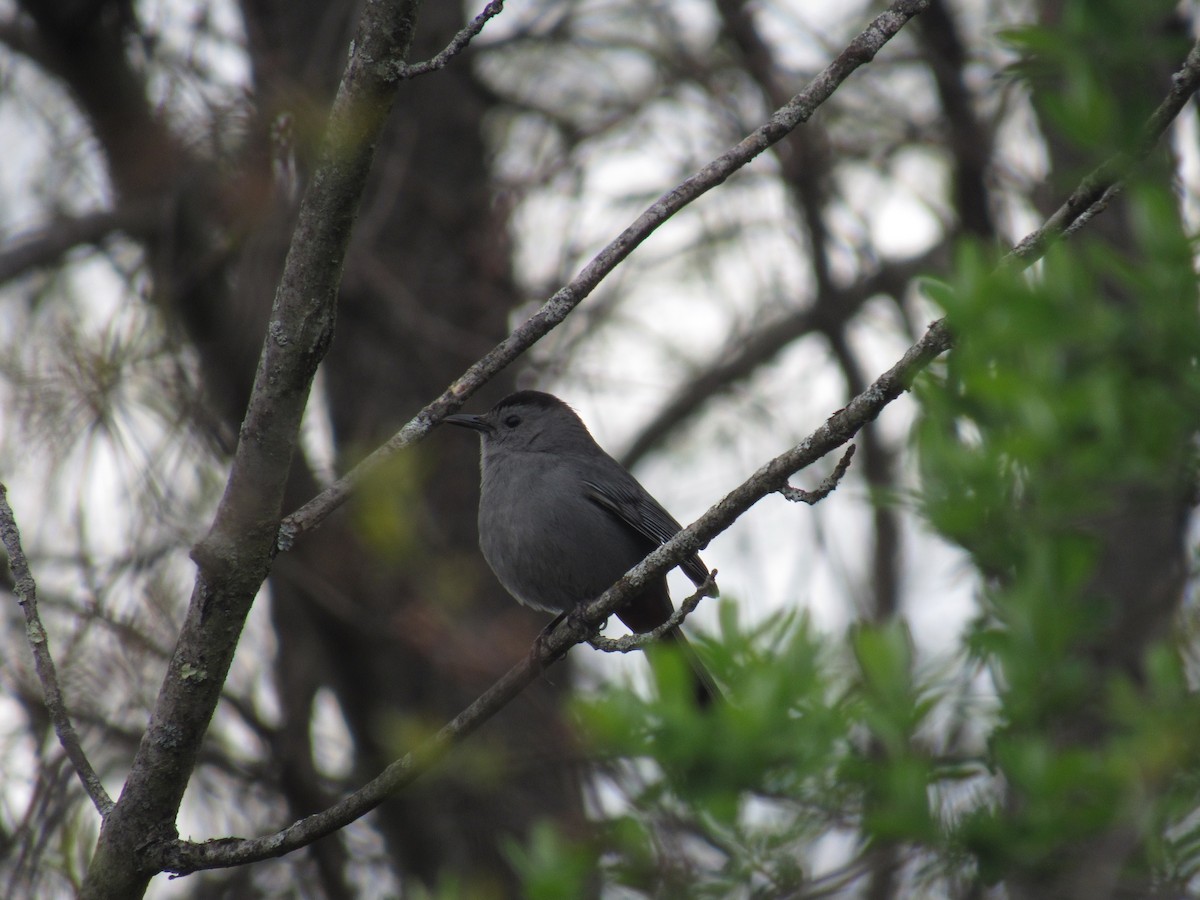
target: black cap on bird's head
529 420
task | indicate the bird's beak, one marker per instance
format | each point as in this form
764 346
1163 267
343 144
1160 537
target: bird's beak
474 422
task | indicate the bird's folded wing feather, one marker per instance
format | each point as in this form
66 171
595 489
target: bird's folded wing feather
646 516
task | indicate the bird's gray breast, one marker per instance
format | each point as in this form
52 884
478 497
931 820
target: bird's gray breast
548 543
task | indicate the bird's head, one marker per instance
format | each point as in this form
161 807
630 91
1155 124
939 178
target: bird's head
531 422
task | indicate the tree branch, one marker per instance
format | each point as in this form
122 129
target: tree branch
1098 186
456 46
631 642
183 857
47 245
26 590
798 110
825 488
233 559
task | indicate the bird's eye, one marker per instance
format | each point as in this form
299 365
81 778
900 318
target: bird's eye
513 421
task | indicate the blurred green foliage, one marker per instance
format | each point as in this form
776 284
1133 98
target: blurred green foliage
1072 392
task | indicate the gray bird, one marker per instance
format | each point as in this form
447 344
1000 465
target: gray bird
560 520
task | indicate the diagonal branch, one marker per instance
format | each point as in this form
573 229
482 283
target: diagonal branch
795 112
56 706
183 857
1097 187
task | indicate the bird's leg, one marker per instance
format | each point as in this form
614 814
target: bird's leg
539 643
549 629
575 621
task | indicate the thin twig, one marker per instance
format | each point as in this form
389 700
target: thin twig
1094 210
825 488
456 46
26 590
631 642
795 112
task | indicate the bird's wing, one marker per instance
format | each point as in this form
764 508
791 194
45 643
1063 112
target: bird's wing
641 512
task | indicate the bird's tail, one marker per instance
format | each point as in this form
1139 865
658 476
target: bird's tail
704 688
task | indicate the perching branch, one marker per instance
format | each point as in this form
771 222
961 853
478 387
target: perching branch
56 706
798 110
183 857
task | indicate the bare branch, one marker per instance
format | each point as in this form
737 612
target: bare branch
825 488
234 558
1096 188
456 46
798 110
26 591
183 857
46 246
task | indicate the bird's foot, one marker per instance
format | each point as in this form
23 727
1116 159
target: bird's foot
539 643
